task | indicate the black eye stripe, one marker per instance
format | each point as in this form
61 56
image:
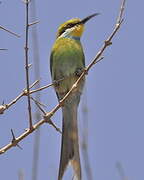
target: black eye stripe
70 25
67 26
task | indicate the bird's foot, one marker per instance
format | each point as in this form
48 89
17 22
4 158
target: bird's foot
56 83
79 71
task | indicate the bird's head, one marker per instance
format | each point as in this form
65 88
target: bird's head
73 27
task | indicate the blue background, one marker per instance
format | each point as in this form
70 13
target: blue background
115 89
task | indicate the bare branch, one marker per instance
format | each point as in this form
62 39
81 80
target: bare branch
1 27
41 88
33 84
27 63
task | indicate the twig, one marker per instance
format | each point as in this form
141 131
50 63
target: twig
1 27
39 105
51 113
33 84
41 88
27 63
33 23
47 86
3 49
38 102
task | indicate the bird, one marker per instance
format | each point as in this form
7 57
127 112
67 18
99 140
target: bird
67 62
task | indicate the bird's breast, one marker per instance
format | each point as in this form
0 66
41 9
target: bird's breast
67 57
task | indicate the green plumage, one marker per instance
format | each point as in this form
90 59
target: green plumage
66 58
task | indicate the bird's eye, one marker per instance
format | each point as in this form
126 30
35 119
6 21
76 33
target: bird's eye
70 25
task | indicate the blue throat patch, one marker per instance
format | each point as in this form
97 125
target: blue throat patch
73 37
66 35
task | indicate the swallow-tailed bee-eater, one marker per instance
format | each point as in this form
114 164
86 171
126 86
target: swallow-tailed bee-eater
67 61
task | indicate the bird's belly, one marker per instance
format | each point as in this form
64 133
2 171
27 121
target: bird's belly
67 72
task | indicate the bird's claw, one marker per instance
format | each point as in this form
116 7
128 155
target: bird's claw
78 71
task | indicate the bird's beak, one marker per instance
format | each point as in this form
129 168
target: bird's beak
83 21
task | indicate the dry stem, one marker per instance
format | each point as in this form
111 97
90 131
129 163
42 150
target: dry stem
27 63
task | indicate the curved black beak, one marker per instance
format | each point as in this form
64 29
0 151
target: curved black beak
83 21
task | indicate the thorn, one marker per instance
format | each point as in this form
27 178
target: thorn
29 65
13 136
26 129
39 105
19 146
14 141
49 121
99 59
38 102
108 43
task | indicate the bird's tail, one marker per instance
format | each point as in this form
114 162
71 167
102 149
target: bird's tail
70 144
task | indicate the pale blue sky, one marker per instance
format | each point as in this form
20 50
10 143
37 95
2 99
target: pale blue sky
114 88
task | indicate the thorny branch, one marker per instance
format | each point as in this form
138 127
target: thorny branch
48 115
27 63
4 107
